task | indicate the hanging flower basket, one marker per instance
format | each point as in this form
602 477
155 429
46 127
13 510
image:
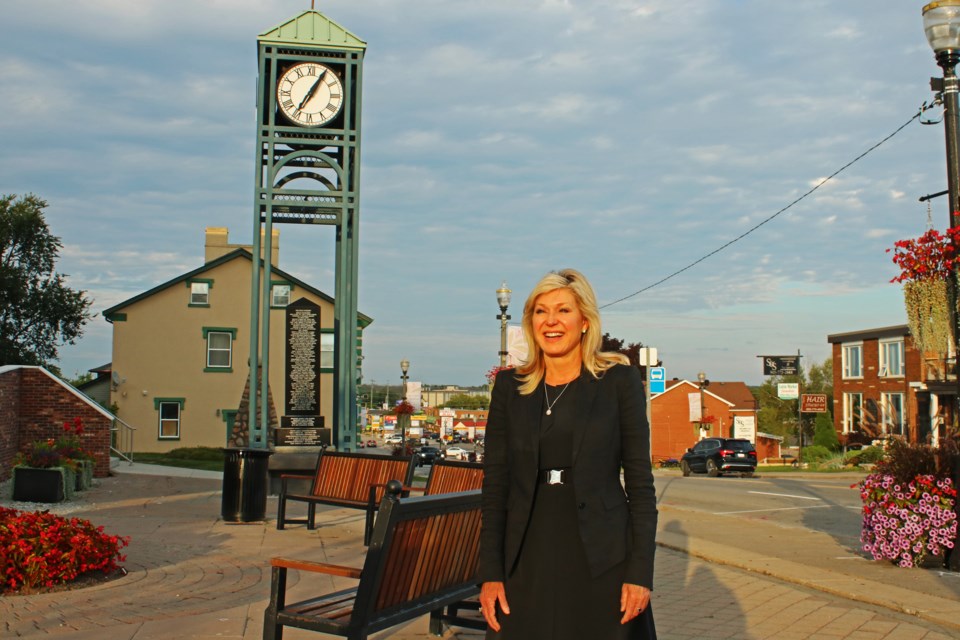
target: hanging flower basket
926 263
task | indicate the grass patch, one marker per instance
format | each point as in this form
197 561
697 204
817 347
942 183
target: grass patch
202 458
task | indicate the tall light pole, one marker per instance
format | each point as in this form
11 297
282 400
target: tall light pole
941 23
503 299
402 419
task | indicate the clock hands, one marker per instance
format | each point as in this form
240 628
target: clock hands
312 90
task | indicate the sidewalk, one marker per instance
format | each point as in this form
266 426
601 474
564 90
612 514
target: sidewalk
191 575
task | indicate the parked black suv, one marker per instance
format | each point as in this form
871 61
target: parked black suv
716 456
426 455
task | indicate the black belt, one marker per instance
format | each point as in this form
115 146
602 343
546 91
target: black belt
555 476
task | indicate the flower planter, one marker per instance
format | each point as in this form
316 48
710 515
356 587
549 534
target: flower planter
907 523
41 485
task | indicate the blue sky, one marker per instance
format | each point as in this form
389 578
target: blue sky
501 140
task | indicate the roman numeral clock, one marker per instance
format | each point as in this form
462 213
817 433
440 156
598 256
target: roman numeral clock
308 172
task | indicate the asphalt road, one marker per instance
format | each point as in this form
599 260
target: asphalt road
823 503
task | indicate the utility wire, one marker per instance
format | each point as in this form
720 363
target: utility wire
924 107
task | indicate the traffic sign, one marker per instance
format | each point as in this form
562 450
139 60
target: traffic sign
658 379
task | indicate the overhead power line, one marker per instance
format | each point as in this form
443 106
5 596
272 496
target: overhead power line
924 107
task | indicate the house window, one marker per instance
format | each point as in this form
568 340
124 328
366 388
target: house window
168 410
280 295
853 360
219 350
891 358
326 350
852 412
892 407
200 293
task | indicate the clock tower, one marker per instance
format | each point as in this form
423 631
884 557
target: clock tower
308 172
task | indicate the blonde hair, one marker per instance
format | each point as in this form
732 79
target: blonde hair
531 373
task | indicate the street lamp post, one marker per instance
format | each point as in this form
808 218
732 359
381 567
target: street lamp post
941 23
402 418
503 299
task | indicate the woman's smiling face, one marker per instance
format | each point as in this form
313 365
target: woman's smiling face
558 323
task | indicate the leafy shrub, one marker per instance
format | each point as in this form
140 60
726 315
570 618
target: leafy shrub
816 453
824 433
904 461
40 549
867 455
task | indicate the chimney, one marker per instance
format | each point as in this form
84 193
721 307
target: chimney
216 244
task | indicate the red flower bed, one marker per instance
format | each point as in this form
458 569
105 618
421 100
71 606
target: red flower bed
40 549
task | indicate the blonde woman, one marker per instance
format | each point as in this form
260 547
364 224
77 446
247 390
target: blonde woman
566 550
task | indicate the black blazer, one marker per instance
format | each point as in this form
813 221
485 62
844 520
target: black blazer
616 523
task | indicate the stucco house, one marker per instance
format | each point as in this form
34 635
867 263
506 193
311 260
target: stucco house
181 349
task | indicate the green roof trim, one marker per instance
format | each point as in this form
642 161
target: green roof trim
312 28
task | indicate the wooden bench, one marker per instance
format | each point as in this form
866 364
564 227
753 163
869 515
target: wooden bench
446 476
423 557
353 480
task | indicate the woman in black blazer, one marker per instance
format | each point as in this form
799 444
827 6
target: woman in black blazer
566 550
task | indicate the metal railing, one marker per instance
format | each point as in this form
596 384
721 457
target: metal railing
121 440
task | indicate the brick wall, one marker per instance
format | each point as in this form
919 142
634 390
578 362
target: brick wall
41 407
872 386
9 421
672 433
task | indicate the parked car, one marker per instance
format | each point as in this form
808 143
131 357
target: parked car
716 456
427 455
394 439
455 453
371 443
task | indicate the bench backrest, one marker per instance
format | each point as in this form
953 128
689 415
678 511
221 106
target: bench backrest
450 476
423 549
348 476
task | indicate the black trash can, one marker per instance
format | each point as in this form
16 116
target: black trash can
246 482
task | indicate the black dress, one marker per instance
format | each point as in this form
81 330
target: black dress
551 594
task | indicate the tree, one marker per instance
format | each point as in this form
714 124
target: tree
780 416
38 312
467 401
824 433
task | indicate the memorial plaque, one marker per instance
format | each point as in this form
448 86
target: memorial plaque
302 437
303 359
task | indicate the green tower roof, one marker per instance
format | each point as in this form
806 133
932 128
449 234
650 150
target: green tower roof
312 28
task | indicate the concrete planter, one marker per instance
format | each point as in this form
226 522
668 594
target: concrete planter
42 485
84 475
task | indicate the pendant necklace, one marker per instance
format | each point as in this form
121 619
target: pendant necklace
550 405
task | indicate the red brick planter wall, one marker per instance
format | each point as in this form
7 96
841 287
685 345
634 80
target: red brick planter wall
39 405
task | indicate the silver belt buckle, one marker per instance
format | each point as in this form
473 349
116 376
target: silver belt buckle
554 476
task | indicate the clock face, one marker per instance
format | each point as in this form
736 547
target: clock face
310 94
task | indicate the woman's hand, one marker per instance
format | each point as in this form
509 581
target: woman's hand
490 594
633 600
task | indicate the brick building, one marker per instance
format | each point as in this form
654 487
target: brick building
34 404
675 424
883 385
